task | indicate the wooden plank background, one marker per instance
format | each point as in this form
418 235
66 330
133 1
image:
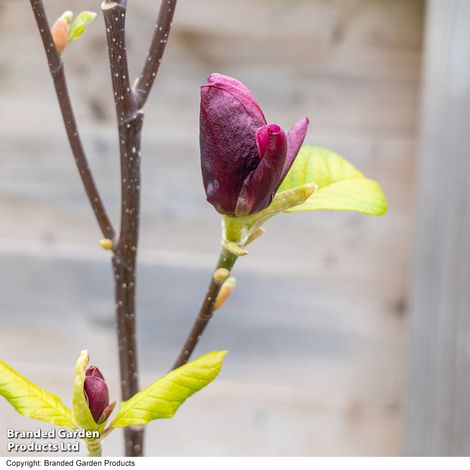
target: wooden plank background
438 412
316 326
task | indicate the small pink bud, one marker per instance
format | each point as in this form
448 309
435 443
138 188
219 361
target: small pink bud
59 34
60 31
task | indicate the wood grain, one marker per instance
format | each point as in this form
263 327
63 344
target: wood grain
438 417
352 66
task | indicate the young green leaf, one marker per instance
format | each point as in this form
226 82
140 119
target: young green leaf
166 395
340 186
33 401
81 412
67 16
80 24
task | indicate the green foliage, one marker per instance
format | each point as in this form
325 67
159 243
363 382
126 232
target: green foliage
239 231
67 16
340 186
79 25
81 412
32 401
166 395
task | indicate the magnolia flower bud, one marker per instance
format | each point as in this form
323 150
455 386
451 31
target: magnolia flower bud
97 394
243 158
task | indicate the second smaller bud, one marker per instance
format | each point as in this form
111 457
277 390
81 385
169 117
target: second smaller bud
97 395
225 292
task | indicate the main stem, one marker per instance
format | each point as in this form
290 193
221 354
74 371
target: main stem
129 101
227 261
130 119
124 268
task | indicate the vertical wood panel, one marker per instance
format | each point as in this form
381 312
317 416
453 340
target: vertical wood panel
438 416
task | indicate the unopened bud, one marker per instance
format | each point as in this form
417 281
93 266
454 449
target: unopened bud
225 292
106 244
97 394
60 31
221 274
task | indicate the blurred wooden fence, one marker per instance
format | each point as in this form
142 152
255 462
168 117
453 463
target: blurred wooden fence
438 399
352 66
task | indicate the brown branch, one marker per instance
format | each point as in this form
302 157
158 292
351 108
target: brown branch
129 102
226 260
129 120
56 68
157 47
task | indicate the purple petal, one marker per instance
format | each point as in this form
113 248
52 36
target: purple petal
94 371
228 145
241 92
260 186
295 139
97 395
263 137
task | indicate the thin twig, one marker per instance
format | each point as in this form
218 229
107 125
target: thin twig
226 260
56 68
144 83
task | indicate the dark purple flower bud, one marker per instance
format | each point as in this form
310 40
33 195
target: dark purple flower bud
243 158
96 393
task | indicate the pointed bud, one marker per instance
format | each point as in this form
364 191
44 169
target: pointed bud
60 31
225 292
96 393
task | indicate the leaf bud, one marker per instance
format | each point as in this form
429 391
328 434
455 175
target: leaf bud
225 292
106 244
221 274
60 31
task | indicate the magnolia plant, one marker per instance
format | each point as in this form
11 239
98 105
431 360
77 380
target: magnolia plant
91 409
251 170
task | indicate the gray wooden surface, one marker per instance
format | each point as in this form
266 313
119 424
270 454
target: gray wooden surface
438 417
315 328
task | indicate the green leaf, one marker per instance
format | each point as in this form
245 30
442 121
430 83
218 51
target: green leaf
31 400
166 395
81 411
79 25
67 16
340 186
